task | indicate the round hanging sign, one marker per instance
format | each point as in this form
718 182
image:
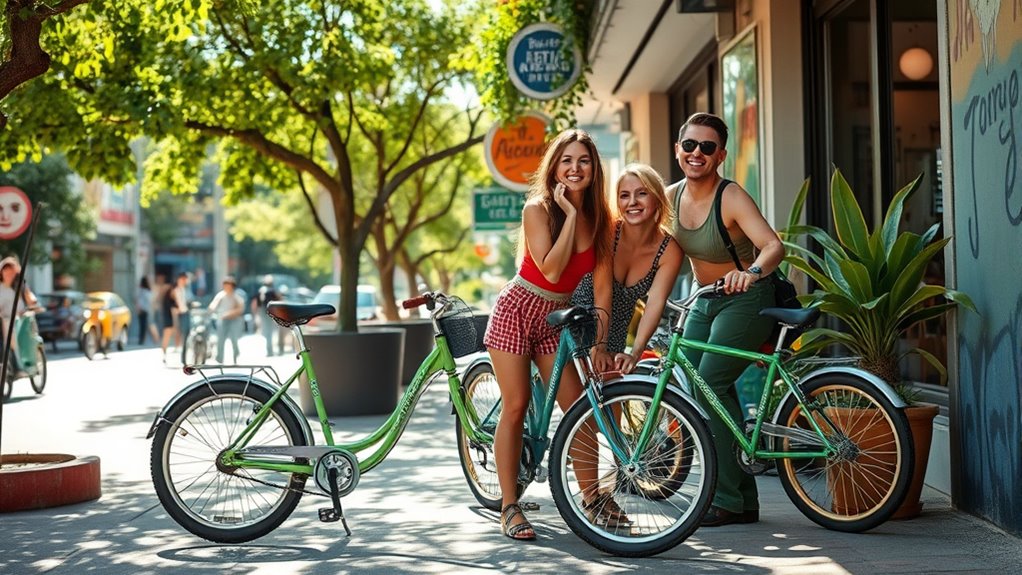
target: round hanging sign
537 62
513 152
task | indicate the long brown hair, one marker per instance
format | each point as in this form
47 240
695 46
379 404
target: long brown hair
594 202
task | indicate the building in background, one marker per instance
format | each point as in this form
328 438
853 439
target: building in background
884 91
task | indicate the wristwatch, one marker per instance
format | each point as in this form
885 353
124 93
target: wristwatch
756 270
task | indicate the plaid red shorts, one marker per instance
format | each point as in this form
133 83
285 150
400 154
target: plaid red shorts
518 320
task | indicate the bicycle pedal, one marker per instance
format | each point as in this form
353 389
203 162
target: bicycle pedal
528 505
329 515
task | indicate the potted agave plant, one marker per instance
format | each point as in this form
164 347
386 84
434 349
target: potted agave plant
873 283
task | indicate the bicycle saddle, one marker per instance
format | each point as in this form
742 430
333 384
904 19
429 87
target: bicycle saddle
289 314
567 316
792 317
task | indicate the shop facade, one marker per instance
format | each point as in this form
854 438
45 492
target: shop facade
883 91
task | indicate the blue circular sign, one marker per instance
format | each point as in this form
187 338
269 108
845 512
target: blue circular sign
537 62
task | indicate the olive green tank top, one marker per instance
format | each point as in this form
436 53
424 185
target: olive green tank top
704 243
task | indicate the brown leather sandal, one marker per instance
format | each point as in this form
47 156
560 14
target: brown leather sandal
603 511
520 531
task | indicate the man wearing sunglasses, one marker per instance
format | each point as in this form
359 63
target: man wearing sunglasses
705 203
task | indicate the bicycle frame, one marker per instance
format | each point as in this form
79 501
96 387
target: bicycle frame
382 440
541 407
775 368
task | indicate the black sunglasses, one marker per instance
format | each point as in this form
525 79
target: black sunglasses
707 147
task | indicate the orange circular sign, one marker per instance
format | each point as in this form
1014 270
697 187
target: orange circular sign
514 151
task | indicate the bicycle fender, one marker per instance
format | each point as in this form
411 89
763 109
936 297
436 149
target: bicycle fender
880 385
671 388
271 389
483 358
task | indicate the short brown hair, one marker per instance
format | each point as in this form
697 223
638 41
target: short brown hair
708 120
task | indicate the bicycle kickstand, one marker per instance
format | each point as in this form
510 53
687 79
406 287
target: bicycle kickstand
329 515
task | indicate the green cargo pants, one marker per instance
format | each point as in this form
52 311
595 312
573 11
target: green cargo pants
731 321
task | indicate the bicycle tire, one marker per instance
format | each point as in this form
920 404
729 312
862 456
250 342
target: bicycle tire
667 478
479 387
222 506
38 380
874 443
90 343
655 524
198 346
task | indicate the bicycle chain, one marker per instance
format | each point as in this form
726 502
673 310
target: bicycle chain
282 487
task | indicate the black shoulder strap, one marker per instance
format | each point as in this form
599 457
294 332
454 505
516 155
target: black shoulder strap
730 245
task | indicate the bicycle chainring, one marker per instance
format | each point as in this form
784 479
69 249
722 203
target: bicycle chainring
347 471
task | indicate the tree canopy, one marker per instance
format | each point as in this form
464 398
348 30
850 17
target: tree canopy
281 93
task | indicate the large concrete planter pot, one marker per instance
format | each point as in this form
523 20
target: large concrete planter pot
418 343
358 373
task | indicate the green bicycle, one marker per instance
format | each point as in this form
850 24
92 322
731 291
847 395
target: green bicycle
839 437
232 452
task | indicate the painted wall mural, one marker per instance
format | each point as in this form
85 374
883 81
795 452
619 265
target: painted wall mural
985 51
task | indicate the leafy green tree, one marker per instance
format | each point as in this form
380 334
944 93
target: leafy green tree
65 220
272 220
22 57
287 91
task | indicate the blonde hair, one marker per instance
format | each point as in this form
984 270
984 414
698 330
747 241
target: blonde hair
654 184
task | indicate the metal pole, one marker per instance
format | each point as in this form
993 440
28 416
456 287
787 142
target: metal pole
14 310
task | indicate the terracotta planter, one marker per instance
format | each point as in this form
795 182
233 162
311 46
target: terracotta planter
920 419
848 485
42 480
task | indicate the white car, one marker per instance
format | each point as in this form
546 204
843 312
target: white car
366 305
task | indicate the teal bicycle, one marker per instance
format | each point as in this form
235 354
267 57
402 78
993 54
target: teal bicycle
232 453
838 435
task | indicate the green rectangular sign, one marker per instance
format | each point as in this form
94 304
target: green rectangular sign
495 209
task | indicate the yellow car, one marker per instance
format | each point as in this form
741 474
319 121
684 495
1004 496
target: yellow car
107 319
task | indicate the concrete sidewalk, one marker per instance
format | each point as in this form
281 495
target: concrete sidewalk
413 514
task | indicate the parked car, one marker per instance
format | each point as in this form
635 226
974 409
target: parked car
62 316
107 320
366 305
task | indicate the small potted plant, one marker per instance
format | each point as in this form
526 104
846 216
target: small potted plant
873 283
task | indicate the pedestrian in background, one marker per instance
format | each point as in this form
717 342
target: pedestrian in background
183 299
228 307
160 287
263 296
143 301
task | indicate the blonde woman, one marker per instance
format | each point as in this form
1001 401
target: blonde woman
646 260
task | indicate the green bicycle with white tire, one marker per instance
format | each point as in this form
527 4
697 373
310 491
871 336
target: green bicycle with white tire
232 453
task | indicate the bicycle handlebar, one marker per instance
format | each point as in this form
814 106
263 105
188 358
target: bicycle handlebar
716 288
415 302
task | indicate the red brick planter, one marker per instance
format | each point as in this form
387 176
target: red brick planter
40 480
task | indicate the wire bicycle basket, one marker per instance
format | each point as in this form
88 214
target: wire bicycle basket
458 325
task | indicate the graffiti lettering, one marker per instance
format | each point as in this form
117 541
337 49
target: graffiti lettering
996 108
965 33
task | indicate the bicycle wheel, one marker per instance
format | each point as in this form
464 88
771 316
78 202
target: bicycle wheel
198 347
477 460
38 380
666 478
90 343
864 482
225 505
625 520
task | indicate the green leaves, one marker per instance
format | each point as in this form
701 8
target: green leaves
872 282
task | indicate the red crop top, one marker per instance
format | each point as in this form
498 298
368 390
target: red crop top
579 265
